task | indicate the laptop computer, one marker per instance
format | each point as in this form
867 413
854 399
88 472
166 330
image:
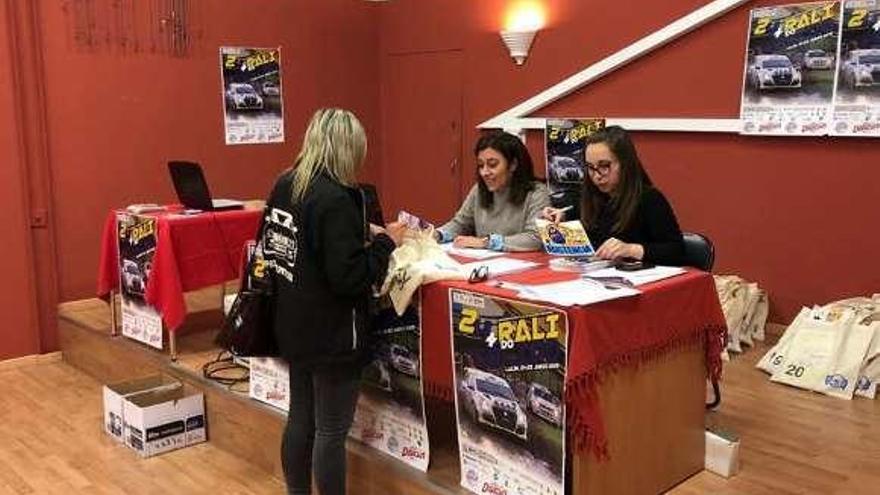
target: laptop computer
192 189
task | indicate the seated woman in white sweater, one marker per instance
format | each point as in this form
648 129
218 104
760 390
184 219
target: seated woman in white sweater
500 210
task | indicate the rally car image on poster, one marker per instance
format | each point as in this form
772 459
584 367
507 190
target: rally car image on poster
788 78
773 71
490 401
243 96
544 404
509 366
390 414
861 69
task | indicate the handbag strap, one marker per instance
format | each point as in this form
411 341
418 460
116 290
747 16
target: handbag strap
259 244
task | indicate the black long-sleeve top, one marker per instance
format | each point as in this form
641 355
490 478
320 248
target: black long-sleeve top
654 226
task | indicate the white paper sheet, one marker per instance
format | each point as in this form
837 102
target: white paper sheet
473 253
569 293
641 277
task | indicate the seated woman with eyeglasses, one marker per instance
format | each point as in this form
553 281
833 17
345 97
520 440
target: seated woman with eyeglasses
500 210
623 213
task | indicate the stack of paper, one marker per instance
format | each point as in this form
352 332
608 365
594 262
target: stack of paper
641 277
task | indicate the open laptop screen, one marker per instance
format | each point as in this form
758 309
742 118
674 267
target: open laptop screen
192 188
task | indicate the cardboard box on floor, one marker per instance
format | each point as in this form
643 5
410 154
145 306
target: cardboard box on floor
164 419
115 394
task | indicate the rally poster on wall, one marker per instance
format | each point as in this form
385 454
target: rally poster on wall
509 367
564 143
137 245
390 415
254 112
788 80
856 97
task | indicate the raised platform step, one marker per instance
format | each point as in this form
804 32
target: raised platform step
238 424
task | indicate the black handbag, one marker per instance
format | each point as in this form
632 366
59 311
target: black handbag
249 328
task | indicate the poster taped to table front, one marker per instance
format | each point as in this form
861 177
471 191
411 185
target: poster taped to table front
509 361
136 240
390 415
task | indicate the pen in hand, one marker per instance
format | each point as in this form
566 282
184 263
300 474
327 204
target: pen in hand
554 214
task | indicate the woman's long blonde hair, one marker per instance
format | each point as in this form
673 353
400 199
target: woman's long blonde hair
335 143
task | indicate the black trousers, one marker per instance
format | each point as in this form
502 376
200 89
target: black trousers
322 404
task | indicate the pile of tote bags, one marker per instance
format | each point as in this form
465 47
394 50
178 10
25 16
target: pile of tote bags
832 349
745 308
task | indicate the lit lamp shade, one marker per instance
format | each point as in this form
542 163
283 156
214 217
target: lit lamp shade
518 42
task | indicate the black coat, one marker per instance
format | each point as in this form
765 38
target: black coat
654 226
323 269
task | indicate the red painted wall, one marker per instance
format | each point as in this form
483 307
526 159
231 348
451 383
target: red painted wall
793 214
19 334
115 119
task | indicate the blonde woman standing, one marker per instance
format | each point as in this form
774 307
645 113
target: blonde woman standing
324 259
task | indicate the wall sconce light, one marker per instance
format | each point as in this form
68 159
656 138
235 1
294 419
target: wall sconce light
524 20
518 42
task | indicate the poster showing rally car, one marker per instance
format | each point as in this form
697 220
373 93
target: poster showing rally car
565 145
253 109
788 79
390 415
857 93
137 244
509 368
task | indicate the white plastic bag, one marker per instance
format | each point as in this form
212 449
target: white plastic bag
813 349
418 260
774 358
759 317
843 372
869 375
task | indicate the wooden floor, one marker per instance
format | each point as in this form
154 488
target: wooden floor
793 442
52 442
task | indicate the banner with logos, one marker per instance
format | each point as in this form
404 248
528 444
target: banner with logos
390 415
564 142
509 364
253 108
857 92
137 245
788 78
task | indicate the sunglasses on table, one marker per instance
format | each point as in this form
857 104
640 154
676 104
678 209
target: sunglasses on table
479 274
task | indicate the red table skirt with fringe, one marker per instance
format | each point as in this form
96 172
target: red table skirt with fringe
671 314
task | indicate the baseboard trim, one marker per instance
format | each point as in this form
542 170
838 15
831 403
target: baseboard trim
30 360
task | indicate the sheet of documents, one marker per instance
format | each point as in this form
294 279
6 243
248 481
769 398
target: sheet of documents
641 277
570 293
473 253
500 266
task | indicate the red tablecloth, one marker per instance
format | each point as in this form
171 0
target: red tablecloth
192 251
669 314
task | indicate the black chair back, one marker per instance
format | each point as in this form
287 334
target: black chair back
698 251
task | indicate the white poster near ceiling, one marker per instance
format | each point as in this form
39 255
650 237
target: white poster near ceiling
253 107
788 79
857 92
